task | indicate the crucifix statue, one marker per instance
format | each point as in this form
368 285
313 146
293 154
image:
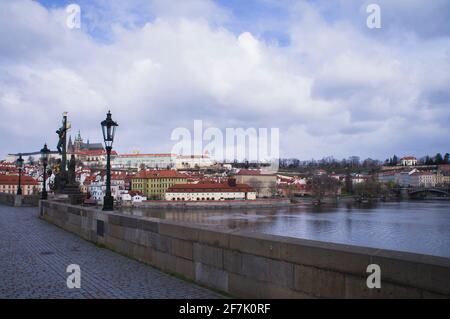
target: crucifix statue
62 134
65 178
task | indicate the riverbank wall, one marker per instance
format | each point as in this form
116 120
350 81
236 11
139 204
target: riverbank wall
252 265
259 203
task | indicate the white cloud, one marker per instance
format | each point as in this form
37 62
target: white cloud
335 90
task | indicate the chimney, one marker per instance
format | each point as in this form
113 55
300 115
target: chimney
232 182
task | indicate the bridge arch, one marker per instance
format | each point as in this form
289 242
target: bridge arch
429 190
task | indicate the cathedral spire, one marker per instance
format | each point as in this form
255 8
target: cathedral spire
70 144
78 144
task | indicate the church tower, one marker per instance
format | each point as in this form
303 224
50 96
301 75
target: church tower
77 145
70 145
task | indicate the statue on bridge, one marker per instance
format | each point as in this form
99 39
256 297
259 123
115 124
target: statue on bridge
62 136
65 178
71 170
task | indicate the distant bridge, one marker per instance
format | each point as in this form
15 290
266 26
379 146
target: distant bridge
437 190
417 191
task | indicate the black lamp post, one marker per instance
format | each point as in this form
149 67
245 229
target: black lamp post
19 163
44 158
109 129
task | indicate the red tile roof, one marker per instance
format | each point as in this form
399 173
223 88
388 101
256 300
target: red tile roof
8 168
14 180
134 193
253 172
209 188
93 152
146 155
118 177
249 172
89 179
159 174
192 156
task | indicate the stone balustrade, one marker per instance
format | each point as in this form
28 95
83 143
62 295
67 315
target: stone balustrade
252 265
19 200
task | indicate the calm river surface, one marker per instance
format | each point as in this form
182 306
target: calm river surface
413 226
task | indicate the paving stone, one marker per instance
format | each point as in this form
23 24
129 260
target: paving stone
34 256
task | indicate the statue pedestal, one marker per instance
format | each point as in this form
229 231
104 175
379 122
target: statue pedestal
70 190
76 197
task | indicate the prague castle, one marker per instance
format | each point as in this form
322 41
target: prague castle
79 145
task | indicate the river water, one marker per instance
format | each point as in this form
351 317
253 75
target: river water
412 226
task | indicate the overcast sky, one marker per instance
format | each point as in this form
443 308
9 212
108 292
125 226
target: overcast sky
310 68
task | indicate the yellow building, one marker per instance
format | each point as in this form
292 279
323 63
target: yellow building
154 183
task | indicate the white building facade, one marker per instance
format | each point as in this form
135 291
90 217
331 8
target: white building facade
193 161
137 160
97 190
424 179
210 192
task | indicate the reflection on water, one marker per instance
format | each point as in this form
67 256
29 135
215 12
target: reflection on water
414 226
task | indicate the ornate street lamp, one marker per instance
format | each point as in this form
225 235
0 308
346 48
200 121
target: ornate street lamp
109 129
45 152
19 163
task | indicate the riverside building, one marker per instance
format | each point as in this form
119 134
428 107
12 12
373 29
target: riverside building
210 192
154 183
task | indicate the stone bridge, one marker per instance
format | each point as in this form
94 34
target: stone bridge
420 191
434 190
34 256
248 264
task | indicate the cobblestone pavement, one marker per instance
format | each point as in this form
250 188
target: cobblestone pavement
34 255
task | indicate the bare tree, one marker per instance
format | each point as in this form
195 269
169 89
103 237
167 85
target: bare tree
323 185
369 188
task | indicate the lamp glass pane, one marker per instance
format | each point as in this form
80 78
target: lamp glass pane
104 131
20 162
109 138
